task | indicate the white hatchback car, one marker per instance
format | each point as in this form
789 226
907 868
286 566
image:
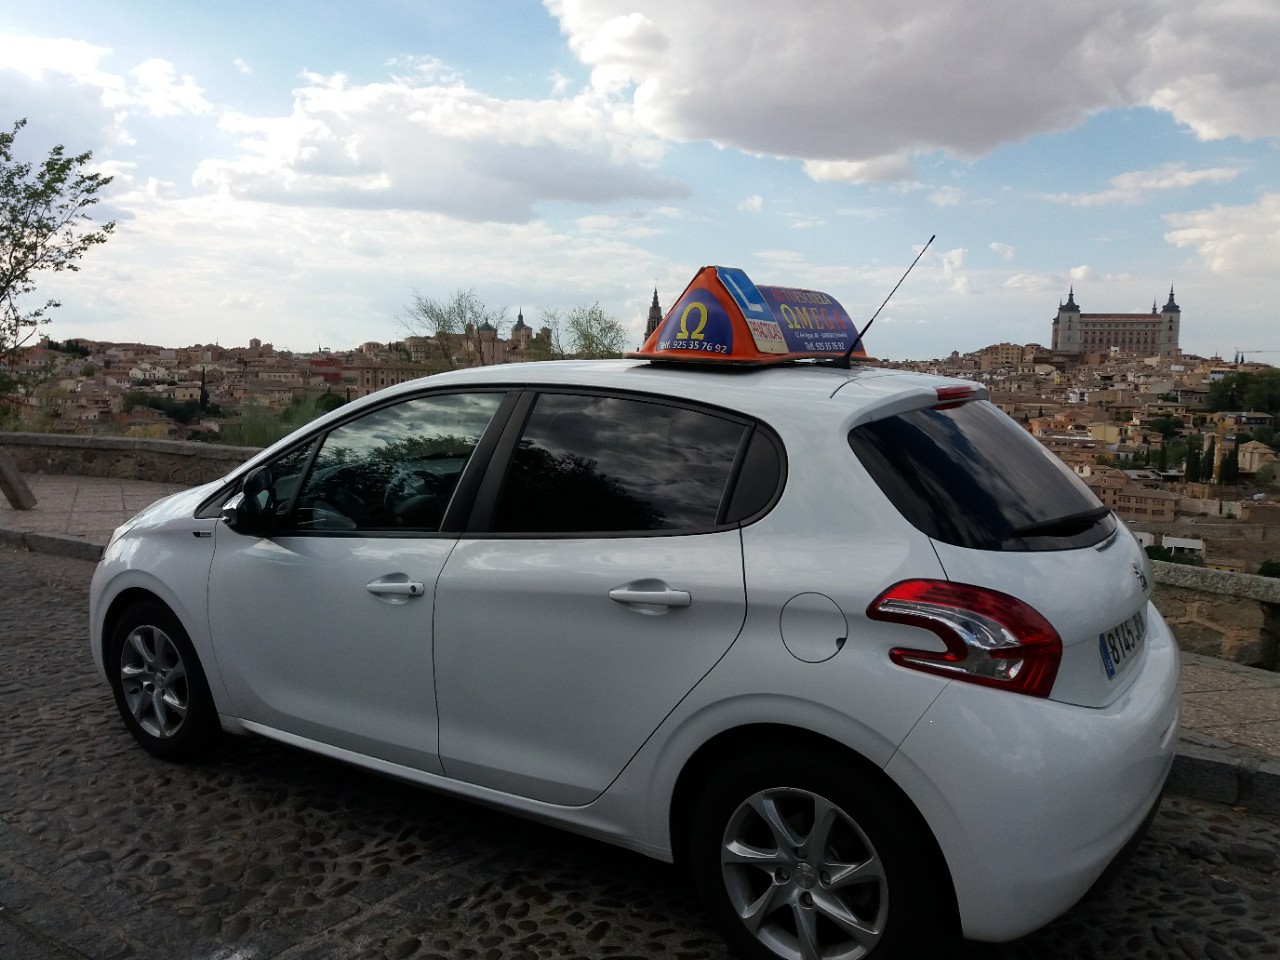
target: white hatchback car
848 643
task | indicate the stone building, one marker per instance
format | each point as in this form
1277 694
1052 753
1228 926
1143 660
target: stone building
1153 334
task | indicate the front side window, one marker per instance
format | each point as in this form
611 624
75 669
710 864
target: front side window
597 464
394 468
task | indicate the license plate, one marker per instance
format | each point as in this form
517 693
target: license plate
1120 645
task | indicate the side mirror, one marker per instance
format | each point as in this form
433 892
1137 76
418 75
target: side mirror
252 511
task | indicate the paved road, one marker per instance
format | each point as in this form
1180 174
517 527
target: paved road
267 852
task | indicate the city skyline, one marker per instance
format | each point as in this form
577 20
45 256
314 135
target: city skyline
296 172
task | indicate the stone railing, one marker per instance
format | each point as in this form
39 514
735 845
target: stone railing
124 458
1232 616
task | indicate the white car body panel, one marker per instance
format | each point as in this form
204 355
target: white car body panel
1056 788
347 666
546 686
174 568
1094 589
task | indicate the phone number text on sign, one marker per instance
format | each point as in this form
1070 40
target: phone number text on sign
703 346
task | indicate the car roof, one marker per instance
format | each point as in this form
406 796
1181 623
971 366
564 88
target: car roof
756 391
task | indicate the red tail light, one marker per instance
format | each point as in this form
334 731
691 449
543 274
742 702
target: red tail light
949 397
991 638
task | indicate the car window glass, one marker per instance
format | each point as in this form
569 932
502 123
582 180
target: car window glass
394 468
969 476
611 464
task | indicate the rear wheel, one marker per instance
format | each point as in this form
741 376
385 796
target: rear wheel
805 858
159 687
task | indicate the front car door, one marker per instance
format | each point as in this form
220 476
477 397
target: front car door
323 629
606 583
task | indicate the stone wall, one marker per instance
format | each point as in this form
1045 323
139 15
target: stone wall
122 457
1233 616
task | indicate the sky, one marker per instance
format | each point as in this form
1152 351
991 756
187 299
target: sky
297 171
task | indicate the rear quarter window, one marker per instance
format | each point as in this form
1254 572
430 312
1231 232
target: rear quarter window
968 475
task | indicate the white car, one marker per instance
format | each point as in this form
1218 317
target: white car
845 641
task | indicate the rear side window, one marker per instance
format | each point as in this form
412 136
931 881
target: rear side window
969 476
598 464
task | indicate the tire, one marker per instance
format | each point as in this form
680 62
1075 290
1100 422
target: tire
159 686
805 856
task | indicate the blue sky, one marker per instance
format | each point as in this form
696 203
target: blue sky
296 171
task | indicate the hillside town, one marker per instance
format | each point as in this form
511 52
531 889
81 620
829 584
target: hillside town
1113 396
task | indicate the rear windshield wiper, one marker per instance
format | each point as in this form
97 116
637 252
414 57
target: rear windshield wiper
1061 526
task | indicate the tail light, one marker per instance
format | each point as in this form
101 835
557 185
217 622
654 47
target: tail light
949 397
991 638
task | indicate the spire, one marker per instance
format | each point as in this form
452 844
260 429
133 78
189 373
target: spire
1071 299
1171 306
655 316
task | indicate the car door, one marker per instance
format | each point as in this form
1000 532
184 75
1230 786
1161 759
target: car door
322 629
606 583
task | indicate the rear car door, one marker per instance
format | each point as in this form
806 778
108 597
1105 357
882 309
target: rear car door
603 581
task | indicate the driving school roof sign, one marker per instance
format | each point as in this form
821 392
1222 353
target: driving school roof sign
723 317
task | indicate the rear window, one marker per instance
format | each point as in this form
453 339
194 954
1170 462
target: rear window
969 476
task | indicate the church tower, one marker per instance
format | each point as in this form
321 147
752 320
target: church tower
655 316
1067 336
1170 321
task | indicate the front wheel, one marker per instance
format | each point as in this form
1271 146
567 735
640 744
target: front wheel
159 687
811 859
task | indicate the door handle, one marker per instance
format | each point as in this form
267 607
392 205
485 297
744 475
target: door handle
396 588
663 597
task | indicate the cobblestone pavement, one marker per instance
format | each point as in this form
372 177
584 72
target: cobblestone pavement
267 852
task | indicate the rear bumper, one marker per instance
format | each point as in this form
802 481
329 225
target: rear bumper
1030 800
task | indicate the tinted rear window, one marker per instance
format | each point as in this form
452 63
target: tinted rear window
970 476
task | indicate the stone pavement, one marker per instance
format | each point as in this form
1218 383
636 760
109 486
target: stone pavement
1230 749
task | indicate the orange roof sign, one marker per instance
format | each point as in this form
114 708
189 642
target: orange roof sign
723 317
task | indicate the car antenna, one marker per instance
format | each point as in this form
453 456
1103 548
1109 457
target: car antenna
857 341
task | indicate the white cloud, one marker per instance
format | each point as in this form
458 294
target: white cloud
242 66
1002 250
1033 282
417 142
1137 185
953 270
158 88
856 91
1083 272
946 197
1240 241
1213 67
752 204
878 170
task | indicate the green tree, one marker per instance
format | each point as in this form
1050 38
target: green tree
1269 568
1165 426
44 226
1258 392
592 334
1230 472
1191 473
328 401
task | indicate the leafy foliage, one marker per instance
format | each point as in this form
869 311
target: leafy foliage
588 334
1256 392
1168 556
44 226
